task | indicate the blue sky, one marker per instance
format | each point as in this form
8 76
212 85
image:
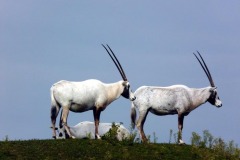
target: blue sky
42 42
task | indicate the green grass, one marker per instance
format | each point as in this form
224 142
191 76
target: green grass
104 149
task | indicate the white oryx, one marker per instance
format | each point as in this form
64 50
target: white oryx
86 129
176 99
87 95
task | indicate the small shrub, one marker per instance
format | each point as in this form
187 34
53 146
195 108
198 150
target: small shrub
112 133
155 138
216 144
6 138
132 137
195 139
175 135
219 145
207 139
111 136
89 135
170 136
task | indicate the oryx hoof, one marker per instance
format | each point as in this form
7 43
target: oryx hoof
54 137
60 134
145 140
97 137
181 142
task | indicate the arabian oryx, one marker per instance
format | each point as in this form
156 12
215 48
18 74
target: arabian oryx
86 129
176 99
87 95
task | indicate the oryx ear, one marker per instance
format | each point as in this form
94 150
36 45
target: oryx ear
213 89
124 83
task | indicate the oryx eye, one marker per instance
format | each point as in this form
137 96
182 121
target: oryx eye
214 94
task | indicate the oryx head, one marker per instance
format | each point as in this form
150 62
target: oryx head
213 98
127 93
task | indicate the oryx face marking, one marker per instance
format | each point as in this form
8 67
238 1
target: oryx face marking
214 98
127 92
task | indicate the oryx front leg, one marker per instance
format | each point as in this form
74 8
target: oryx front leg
180 127
96 114
140 124
64 117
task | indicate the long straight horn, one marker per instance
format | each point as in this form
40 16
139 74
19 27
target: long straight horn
118 67
125 77
205 68
210 77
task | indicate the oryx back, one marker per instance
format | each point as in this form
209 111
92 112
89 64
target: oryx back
162 100
79 96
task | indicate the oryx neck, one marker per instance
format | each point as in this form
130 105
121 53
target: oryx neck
114 90
199 96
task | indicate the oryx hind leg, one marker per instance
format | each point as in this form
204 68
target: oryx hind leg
62 131
65 112
140 124
54 114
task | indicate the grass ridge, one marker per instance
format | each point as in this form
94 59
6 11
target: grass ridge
103 149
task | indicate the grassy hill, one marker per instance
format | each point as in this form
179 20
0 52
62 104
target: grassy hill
105 149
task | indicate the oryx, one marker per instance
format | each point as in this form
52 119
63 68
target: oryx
87 95
86 129
176 99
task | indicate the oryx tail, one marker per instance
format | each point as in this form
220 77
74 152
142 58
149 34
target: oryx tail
54 111
133 115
